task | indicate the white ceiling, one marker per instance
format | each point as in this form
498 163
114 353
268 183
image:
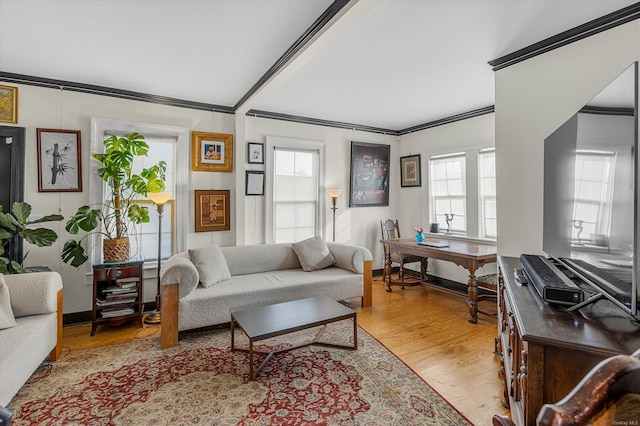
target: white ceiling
388 63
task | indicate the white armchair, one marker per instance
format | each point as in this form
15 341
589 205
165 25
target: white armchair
36 302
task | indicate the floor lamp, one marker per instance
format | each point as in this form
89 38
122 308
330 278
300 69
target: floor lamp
334 194
159 199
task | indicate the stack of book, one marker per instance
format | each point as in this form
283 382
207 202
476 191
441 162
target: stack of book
118 299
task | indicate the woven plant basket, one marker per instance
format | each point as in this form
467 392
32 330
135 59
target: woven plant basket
115 250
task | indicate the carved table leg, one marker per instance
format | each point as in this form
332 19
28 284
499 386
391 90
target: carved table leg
423 268
472 291
387 270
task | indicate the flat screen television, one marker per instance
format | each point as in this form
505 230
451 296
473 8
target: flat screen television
591 185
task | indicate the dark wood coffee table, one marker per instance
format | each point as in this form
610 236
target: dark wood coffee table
275 320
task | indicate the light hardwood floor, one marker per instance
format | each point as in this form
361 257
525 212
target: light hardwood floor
424 326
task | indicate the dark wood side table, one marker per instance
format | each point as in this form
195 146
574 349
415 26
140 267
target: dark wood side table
117 293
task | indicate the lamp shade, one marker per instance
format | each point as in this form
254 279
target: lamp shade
334 193
160 197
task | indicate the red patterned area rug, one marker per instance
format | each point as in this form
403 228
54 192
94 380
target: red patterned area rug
201 382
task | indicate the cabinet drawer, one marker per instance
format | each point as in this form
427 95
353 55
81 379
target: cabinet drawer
113 273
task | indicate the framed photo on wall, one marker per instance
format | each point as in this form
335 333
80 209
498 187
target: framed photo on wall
369 180
211 152
255 153
8 104
410 171
59 160
213 212
254 182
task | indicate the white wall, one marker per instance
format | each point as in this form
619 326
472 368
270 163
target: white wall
49 108
533 98
473 133
361 225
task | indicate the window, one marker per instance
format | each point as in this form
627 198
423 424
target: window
487 193
294 208
447 186
146 234
593 193
464 184
295 192
170 144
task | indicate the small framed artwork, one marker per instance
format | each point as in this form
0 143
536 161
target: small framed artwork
213 212
254 182
369 174
410 171
255 153
211 152
59 160
8 104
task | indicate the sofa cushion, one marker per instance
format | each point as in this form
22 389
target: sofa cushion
313 254
258 258
213 305
7 320
23 348
211 265
34 293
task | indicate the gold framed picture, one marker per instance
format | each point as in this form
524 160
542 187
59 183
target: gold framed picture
8 104
213 212
211 152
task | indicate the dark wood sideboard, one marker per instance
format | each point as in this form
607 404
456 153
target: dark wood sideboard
544 350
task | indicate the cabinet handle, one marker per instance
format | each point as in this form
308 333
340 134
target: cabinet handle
118 273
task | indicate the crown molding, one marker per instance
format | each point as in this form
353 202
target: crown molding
318 122
608 110
580 32
111 92
448 120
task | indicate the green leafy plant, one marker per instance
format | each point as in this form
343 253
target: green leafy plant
113 218
16 222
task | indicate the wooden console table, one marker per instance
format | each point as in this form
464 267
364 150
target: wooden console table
470 256
544 350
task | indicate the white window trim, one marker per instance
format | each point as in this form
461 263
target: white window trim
296 144
181 134
472 194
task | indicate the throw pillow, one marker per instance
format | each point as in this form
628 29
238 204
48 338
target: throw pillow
313 254
7 319
211 265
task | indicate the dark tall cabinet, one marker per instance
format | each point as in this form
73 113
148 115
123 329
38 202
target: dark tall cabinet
12 143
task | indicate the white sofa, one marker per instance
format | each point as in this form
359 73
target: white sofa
259 275
36 302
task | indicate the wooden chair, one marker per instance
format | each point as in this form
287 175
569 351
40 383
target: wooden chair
608 395
391 229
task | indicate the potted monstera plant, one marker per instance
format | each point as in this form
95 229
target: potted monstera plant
113 218
17 223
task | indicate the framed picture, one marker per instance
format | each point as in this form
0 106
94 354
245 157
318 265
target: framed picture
254 182
213 212
369 180
59 161
255 153
8 104
211 152
410 171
